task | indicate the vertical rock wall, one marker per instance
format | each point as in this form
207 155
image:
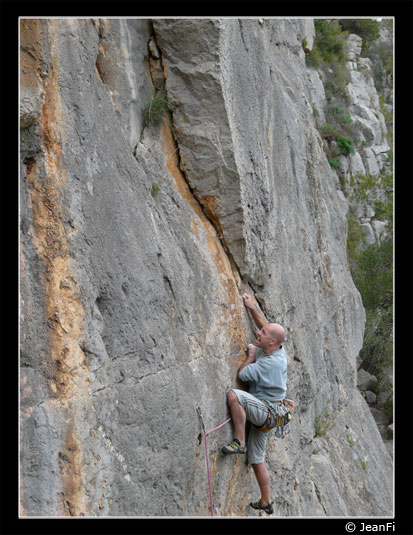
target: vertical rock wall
136 244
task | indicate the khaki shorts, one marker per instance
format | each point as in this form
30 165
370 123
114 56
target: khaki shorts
256 413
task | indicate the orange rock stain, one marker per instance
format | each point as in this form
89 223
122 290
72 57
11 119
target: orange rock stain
64 312
233 318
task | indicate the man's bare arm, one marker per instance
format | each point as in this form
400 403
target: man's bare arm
259 320
251 352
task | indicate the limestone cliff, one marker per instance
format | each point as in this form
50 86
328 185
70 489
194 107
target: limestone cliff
372 150
137 241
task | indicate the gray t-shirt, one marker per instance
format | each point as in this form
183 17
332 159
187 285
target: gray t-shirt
267 375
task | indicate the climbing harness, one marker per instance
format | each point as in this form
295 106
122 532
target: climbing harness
279 416
206 433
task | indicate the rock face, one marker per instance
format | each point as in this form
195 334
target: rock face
369 123
136 245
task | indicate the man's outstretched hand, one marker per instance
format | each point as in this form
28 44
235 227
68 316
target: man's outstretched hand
248 301
258 318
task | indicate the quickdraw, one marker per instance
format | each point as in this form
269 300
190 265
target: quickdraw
279 417
206 433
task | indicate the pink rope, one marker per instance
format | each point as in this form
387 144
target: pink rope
209 477
219 426
206 433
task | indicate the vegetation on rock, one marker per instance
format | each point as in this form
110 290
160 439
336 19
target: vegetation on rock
157 109
372 270
371 264
367 29
329 55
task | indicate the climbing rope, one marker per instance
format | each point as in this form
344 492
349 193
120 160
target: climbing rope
206 433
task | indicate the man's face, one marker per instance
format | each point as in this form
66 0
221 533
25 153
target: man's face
263 338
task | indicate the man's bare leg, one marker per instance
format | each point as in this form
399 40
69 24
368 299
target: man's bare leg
238 416
263 478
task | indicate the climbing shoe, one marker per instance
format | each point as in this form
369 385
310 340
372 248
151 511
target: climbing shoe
267 508
234 447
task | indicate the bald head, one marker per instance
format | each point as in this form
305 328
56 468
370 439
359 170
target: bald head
270 337
276 331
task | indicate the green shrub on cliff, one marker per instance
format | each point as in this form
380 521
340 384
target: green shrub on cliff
324 422
376 190
334 162
367 29
341 114
330 40
339 128
381 54
373 275
372 271
345 145
356 239
329 53
157 109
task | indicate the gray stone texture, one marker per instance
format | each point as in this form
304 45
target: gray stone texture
372 147
371 397
365 380
131 308
366 113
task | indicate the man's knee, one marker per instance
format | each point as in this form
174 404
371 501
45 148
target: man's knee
258 464
232 397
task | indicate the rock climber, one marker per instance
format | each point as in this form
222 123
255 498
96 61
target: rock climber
266 370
